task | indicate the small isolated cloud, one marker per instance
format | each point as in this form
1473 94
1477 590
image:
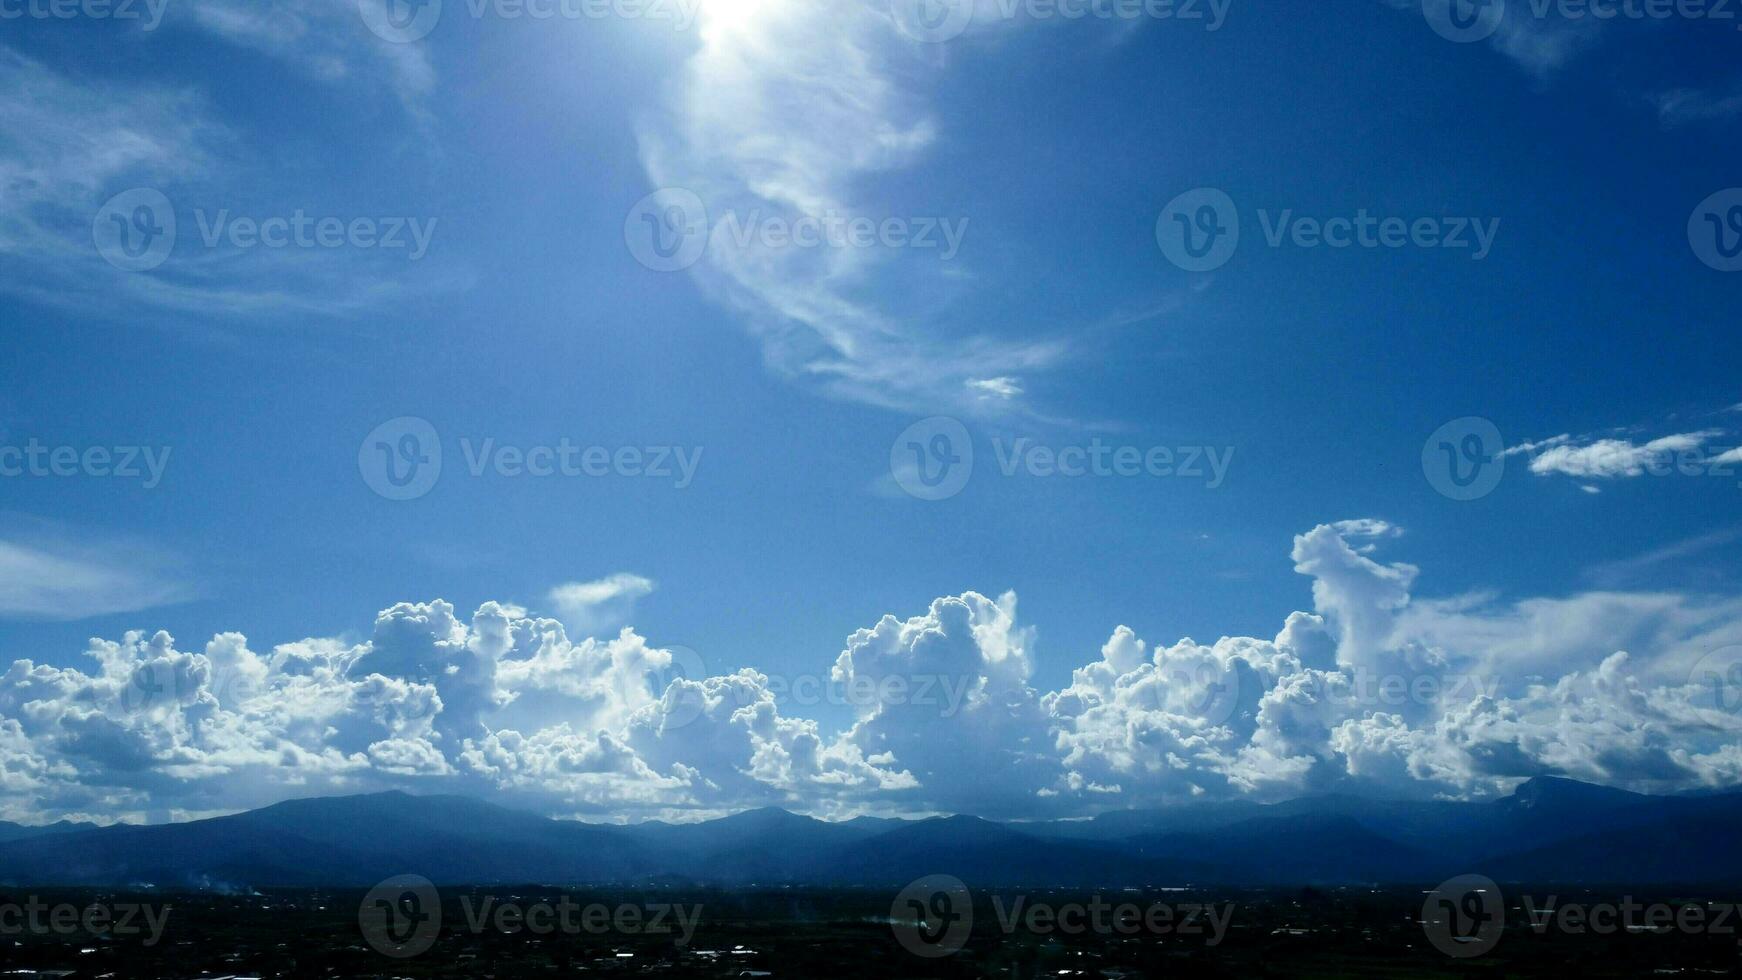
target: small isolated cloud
996 387
1686 106
588 607
1608 459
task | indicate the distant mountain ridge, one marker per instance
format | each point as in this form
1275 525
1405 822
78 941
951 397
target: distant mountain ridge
1549 831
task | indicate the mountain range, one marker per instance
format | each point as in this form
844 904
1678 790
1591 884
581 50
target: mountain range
1550 830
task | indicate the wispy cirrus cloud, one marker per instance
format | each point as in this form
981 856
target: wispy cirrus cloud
788 111
325 39
61 579
1691 106
70 144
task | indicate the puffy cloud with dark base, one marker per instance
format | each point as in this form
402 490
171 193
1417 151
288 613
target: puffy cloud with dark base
1375 690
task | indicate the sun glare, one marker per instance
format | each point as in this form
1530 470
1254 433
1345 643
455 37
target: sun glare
731 13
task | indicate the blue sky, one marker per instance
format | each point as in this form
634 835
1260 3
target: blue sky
1589 330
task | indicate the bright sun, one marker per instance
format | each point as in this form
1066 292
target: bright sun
731 13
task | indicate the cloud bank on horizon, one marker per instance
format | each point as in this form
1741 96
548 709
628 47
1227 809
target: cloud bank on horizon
1375 691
